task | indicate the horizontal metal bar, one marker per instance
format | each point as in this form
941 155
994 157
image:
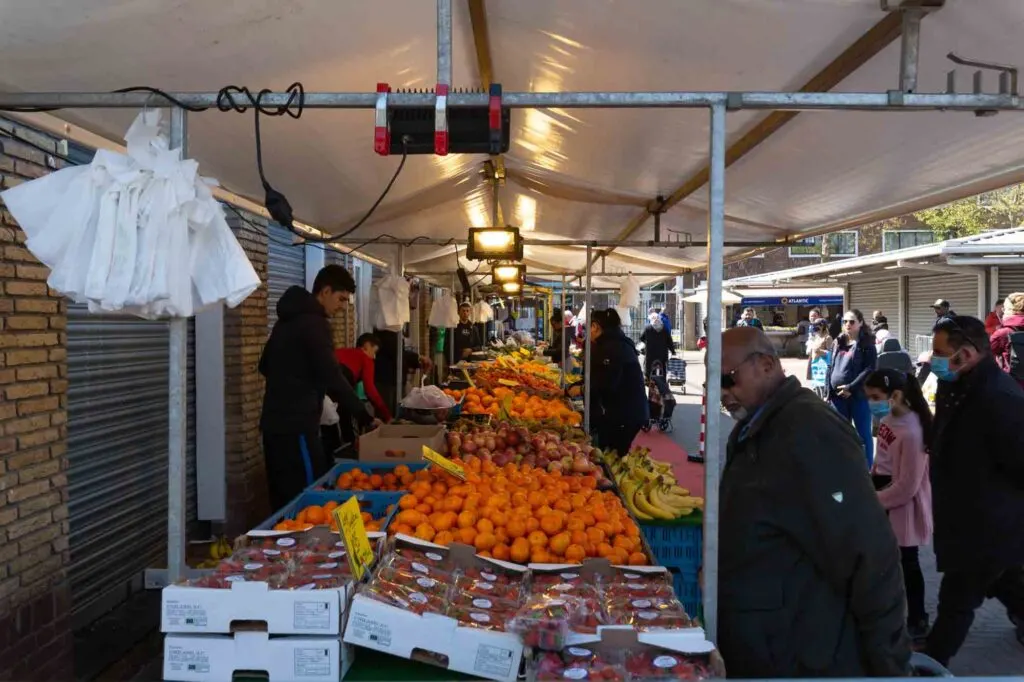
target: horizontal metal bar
783 101
567 273
595 243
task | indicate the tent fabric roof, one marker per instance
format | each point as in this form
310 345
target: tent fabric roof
579 174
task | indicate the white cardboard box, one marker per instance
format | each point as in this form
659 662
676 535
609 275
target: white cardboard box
483 653
199 610
216 658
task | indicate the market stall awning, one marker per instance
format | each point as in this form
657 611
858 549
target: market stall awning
574 173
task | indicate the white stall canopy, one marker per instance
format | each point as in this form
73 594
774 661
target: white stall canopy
572 173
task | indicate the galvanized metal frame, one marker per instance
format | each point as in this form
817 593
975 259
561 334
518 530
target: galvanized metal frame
718 103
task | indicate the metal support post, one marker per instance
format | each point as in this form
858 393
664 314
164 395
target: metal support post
177 412
400 352
713 445
451 332
910 45
586 350
565 342
444 42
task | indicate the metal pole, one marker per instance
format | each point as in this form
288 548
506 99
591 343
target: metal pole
400 352
910 44
586 352
444 42
177 408
713 457
565 342
451 332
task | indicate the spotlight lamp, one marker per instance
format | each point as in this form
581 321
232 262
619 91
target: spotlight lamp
494 243
507 272
512 287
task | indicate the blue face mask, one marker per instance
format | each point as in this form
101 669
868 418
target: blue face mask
940 368
879 408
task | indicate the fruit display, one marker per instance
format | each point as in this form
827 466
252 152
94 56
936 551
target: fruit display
649 488
521 513
492 376
651 664
503 443
545 620
316 515
219 549
576 663
517 405
398 479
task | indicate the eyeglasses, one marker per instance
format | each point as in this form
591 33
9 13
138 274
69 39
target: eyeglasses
729 378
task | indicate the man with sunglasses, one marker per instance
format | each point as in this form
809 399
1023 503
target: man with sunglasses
977 474
810 582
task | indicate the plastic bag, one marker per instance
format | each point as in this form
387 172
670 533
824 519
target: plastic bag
623 311
629 292
482 312
444 313
392 303
427 398
329 414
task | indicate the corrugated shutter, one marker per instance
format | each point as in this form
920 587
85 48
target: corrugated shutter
117 453
868 297
1011 279
286 267
960 290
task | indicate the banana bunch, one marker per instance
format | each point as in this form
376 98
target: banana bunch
649 487
219 549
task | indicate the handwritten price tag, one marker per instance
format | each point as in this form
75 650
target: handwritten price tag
440 460
349 519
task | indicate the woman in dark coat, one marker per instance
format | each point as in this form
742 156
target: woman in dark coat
658 344
617 393
853 358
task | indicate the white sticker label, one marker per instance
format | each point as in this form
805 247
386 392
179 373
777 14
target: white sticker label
562 587
482 603
434 556
495 661
480 617
575 674
328 565
488 576
647 615
556 602
426 582
235 578
483 585
323 576
665 662
578 652
420 567
570 576
312 662
635 586
418 597
631 576
335 555
286 542
271 552
641 603
180 659
252 567
339 544
312 615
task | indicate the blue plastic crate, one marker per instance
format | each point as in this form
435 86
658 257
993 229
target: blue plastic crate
327 481
687 587
373 502
679 546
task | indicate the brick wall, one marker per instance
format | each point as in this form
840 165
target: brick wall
245 333
35 637
343 324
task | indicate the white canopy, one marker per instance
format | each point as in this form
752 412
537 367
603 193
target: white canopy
572 173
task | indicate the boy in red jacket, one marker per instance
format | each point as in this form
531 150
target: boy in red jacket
358 363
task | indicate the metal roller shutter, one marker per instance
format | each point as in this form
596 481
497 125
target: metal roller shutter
868 297
1011 279
960 290
286 267
117 453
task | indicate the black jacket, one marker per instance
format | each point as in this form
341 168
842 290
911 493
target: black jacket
809 570
851 368
617 382
977 470
658 344
300 368
386 363
559 347
466 336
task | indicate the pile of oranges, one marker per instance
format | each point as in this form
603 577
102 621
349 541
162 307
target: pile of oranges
315 515
520 513
521 405
357 479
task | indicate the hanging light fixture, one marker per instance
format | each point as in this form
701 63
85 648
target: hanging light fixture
494 243
512 287
507 272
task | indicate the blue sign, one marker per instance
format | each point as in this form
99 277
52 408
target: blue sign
794 300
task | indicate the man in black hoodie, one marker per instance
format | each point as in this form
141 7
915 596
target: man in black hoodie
300 368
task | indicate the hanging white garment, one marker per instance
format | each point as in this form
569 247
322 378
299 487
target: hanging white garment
444 313
629 293
624 316
139 233
392 303
482 312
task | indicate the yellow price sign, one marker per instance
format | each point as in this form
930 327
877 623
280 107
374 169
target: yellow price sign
440 460
349 519
465 373
508 382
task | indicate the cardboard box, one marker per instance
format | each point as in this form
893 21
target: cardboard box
216 658
194 610
401 444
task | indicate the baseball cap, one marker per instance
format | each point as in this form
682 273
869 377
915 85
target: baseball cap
940 303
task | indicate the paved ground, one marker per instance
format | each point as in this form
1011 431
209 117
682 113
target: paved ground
991 648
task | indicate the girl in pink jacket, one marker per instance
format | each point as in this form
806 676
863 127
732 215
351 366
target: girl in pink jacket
900 474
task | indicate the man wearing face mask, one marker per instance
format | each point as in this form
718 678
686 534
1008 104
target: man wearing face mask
977 474
809 571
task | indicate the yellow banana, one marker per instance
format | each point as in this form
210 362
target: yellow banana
643 503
